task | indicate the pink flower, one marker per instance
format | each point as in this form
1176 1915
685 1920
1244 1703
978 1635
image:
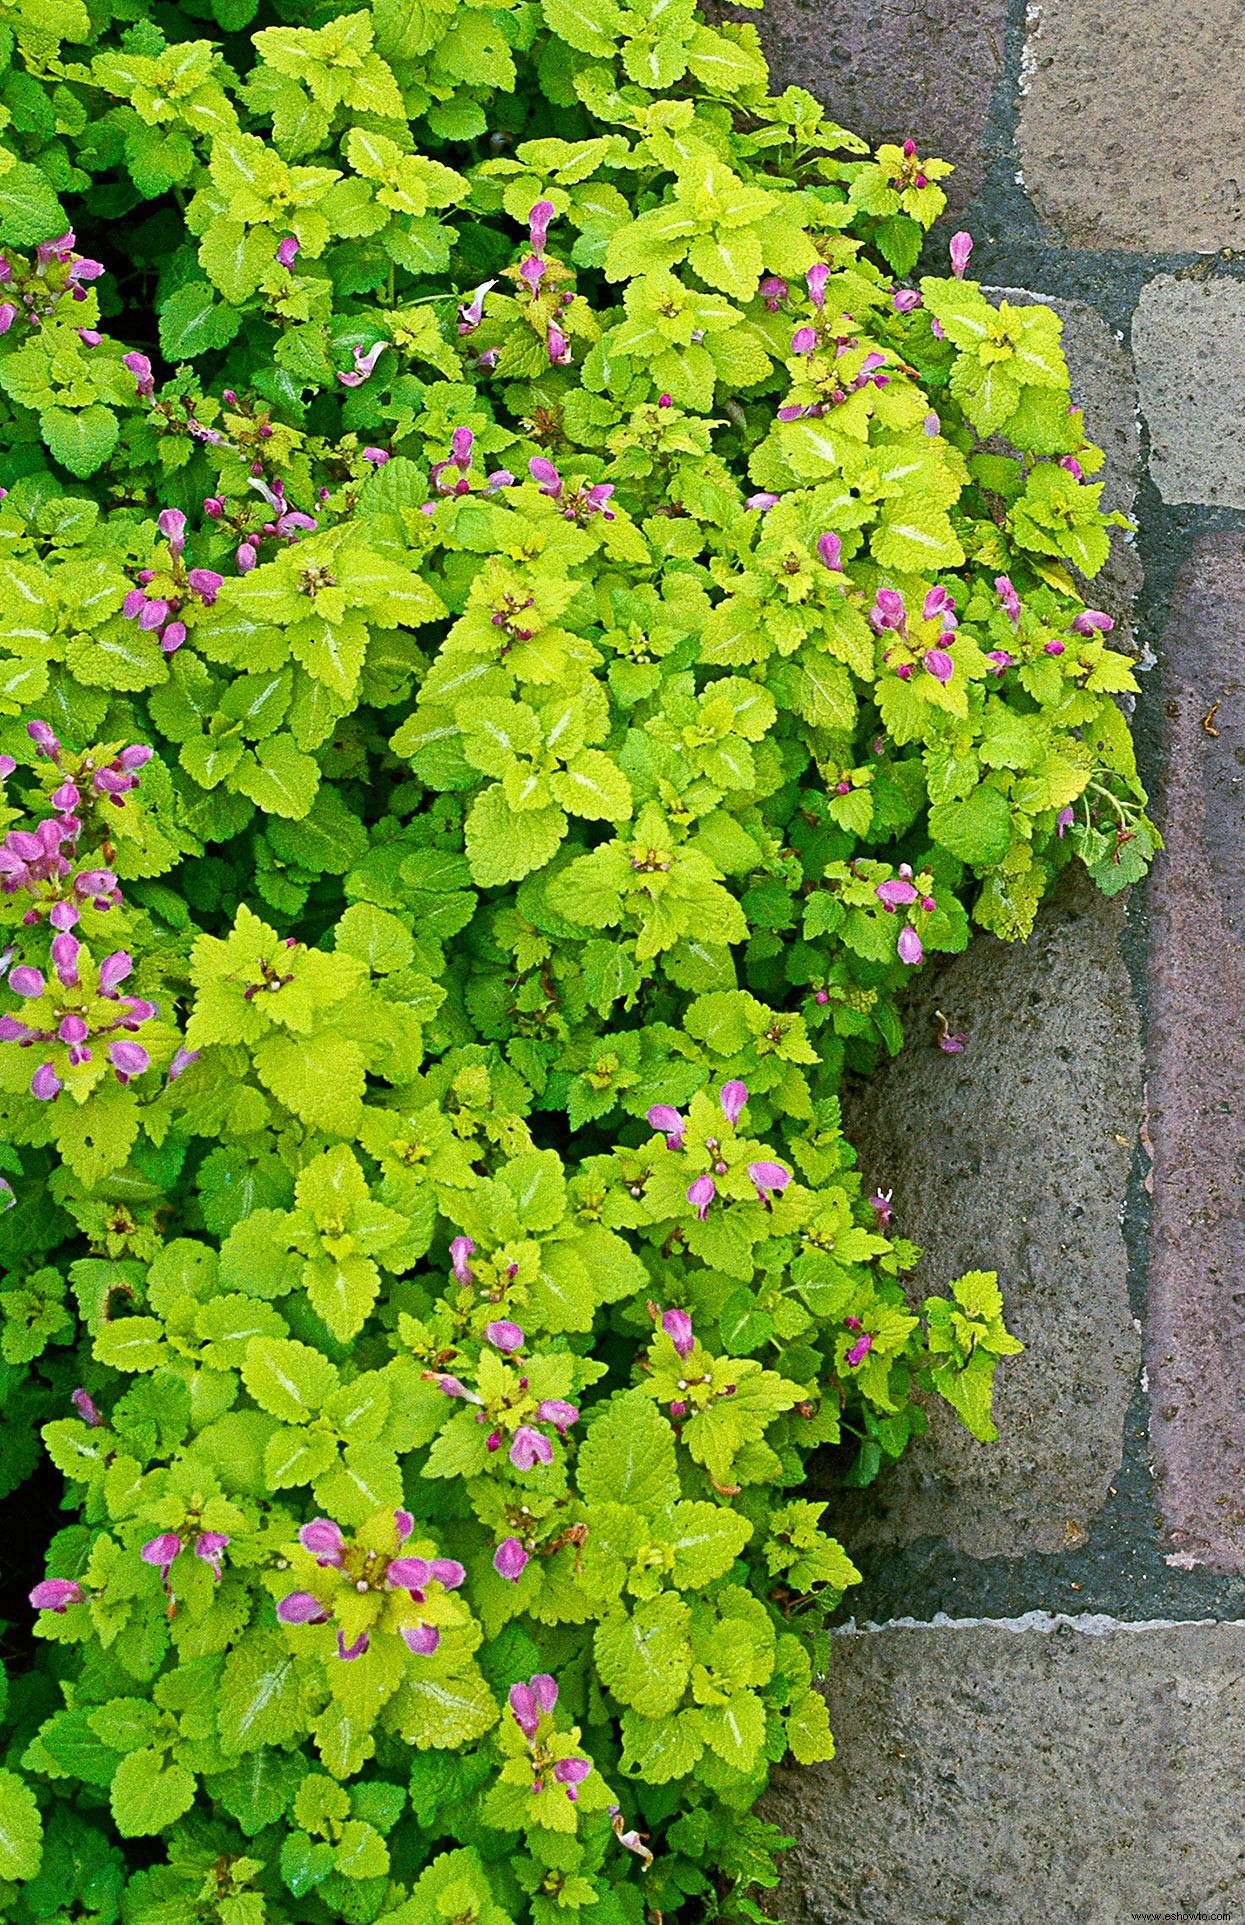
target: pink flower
529 1701
286 250
662 1117
556 1411
532 273
773 292
56 1594
763 502
8 314
909 947
172 525
546 476
205 583
1092 621
460 1249
803 341
816 279
960 249
888 611
140 367
701 1194
301 1608
84 1404
25 981
1053 648
938 663
952 1041
859 1351
510 1560
1063 821
504 1335
462 441
830 552
732 1096
409 1574
172 635
678 1327
880 1203
422 1639
45 1083
355 1650
181 1062
128 1060
364 365
472 313
208 1546
323 1538
1000 658
895 893
904 299
376 456
247 556
931 425
571 1772
529 1448
938 602
538 220
770 1179
558 347
161 1552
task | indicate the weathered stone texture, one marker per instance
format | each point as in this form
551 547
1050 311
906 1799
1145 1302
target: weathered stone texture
1014 1156
1105 389
1189 344
1017 1775
1196 1087
894 69
1132 123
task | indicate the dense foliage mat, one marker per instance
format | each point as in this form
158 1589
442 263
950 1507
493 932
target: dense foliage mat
517 633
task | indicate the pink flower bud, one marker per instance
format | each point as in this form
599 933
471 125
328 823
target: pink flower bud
803 341
538 221
905 299
140 367
546 476
45 1084
557 347
678 1327
56 1594
556 1411
171 637
960 248
505 1336
830 552
732 1096
510 1559
769 1179
816 278
1063 821
660 1116
460 1249
172 525
938 663
113 970
247 557
85 1407
701 1194
528 1702
25 981
1092 621
909 947
287 249
859 1351
773 291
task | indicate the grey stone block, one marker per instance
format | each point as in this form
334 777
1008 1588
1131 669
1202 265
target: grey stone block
893 69
1132 123
1104 387
1045 1770
1189 346
1195 1336
1014 1156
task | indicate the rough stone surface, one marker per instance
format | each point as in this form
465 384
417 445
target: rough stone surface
1196 1088
894 69
1105 389
1132 123
997 1775
1189 343
1014 1156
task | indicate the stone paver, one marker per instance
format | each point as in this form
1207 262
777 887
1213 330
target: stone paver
1014 1156
894 69
1189 343
1105 389
1045 1771
1132 123
1196 1087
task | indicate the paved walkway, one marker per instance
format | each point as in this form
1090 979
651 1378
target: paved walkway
1040 1695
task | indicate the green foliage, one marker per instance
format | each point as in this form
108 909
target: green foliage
487 729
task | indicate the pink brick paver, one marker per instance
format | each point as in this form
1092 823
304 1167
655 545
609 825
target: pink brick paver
1196 1090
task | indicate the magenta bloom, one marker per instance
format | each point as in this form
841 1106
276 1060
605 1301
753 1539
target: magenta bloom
1092 621
471 313
880 1203
894 894
859 1351
409 1574
771 1179
84 1404
324 1540
904 299
816 279
733 1096
172 635
205 583
538 220
528 1701
773 292
830 551
1063 821
364 365
56 1594
446 1572
678 1327
762 502
422 1639
172 525
960 249
208 1546
182 1059
952 1041
546 476
301 1608
1001 659
8 314
909 946
140 367
662 1117
248 554
530 1447
286 250
1053 648
803 341
558 347
376 456
64 954
532 272
45 1083
161 1551
1006 592
462 441
460 1249
510 1560
25 981
888 611
938 602
504 1335
571 1772
354 1650
700 1195
556 1411
938 663
931 425
128 1059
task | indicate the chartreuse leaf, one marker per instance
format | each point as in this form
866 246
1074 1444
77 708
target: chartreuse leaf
21 1829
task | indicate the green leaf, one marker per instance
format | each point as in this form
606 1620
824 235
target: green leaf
148 1794
193 321
29 210
445 1713
646 1659
977 830
261 1699
279 778
288 1379
21 1828
81 439
628 1455
505 844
